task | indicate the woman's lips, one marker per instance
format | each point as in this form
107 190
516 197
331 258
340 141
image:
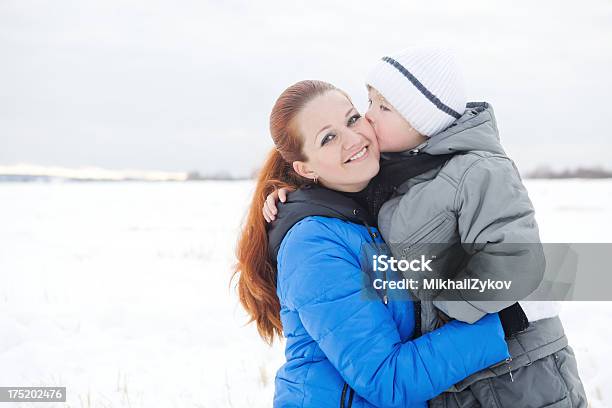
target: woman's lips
359 156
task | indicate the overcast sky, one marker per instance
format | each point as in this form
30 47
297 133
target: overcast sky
188 85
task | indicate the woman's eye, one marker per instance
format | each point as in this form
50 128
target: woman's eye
383 108
369 102
327 138
353 119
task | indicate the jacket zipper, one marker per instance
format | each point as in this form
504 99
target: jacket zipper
343 396
428 232
508 361
373 238
417 322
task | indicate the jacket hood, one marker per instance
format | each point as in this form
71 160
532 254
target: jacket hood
476 129
312 201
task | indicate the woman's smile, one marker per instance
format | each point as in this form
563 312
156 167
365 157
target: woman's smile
358 156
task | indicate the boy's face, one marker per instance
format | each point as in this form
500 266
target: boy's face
393 132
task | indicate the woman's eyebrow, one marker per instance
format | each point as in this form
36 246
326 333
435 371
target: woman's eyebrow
349 111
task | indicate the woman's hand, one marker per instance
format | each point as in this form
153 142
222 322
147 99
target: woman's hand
269 208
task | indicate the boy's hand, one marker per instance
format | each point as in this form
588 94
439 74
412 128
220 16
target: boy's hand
269 208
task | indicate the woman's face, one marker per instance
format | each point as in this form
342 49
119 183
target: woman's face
340 145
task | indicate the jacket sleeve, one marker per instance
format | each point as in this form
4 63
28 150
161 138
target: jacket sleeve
320 277
498 230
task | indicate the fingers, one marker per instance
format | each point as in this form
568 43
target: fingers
271 202
266 215
269 208
282 193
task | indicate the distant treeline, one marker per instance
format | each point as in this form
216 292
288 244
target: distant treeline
580 172
539 173
192 176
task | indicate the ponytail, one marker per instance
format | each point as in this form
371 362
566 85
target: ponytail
256 271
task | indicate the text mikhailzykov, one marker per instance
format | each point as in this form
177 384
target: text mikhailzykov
385 263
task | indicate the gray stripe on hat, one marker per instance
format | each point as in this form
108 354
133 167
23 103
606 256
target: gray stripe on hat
432 98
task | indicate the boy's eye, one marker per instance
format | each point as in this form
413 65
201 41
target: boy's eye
327 138
353 119
383 108
369 102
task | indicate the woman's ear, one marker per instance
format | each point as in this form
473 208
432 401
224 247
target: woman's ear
304 170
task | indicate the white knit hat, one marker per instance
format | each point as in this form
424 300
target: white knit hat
424 85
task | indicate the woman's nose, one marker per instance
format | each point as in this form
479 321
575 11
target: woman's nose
351 139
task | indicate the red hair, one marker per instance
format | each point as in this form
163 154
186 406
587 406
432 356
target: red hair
255 270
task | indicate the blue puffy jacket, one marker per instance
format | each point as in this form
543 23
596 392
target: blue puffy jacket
340 343
344 349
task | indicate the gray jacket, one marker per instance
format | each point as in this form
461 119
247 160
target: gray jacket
469 215
473 215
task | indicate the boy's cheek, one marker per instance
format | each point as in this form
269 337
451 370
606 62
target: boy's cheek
382 143
379 139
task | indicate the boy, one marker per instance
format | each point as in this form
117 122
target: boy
473 216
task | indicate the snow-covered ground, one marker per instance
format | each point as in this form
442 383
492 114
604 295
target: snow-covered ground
120 292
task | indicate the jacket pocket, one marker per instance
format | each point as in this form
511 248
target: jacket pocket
567 368
435 231
564 403
516 387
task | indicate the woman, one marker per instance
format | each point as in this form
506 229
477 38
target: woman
304 278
